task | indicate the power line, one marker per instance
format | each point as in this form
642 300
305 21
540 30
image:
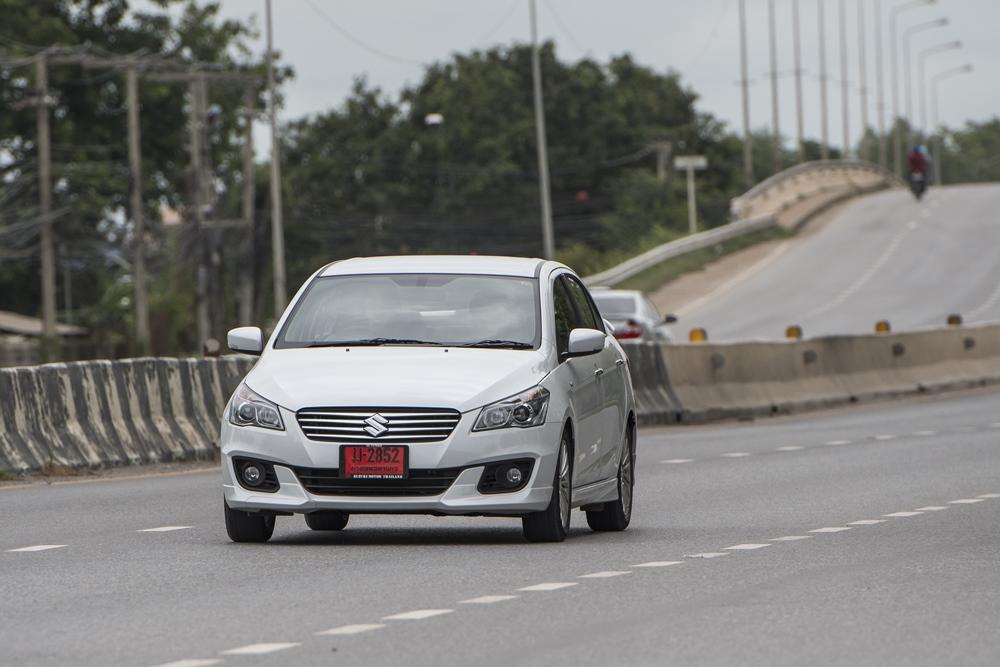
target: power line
501 23
359 42
562 26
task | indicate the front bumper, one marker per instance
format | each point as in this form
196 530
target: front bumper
290 449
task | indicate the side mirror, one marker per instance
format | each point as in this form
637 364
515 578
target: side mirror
609 327
670 319
585 341
248 340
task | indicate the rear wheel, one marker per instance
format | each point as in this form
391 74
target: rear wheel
327 520
248 527
552 524
616 515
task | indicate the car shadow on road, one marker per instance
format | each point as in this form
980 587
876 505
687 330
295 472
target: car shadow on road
420 537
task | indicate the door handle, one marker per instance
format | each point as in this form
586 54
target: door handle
620 362
599 372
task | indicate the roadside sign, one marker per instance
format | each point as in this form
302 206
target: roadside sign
684 162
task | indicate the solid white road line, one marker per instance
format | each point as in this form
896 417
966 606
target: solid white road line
834 443
791 538
735 455
995 425
191 663
261 649
37 547
417 614
746 547
659 563
832 529
607 574
790 448
902 514
552 586
884 436
677 461
489 599
162 529
965 501
707 554
924 433
989 495
931 508
866 522
355 629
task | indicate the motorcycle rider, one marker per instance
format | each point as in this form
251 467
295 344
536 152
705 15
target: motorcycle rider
919 161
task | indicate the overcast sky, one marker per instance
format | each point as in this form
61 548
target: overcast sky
390 40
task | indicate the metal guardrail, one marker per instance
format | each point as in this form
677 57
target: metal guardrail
701 240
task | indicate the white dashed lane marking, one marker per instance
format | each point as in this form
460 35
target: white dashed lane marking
832 529
261 649
866 522
418 614
746 547
902 514
924 433
607 574
884 436
355 629
965 501
674 461
790 448
37 547
791 538
553 586
659 563
931 508
489 599
834 443
736 455
995 425
191 663
162 529
707 554
989 495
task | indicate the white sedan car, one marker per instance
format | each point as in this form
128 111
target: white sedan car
484 386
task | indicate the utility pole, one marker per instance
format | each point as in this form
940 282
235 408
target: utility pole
775 115
745 85
196 87
844 85
548 236
863 67
824 146
663 150
139 286
247 281
50 340
277 223
796 31
883 161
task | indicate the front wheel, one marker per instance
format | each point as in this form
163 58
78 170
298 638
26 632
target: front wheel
616 515
248 527
552 524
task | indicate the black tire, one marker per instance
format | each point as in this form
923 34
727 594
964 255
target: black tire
327 520
248 527
616 515
552 524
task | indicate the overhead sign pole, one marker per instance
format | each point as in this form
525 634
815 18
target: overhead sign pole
690 164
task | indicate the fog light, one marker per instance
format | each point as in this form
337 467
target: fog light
252 474
514 476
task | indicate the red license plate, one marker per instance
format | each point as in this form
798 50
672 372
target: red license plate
373 461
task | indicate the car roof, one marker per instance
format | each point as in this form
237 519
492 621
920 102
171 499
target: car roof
522 267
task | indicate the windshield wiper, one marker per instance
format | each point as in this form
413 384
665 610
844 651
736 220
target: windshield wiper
496 342
373 342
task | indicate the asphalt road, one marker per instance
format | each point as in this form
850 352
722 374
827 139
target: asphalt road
884 256
701 577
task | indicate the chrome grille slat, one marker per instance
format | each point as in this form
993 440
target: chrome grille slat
348 425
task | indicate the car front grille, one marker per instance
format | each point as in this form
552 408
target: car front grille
328 482
378 425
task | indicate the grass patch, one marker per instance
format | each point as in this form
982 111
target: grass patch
6 476
671 269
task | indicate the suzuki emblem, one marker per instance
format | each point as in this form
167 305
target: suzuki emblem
376 425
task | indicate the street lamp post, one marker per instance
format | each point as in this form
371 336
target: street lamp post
745 89
844 84
907 67
775 116
936 118
277 225
883 160
863 74
824 146
548 235
897 139
922 79
796 30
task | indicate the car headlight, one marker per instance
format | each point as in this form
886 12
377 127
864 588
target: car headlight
251 409
521 411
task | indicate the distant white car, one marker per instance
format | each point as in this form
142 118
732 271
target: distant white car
634 317
439 385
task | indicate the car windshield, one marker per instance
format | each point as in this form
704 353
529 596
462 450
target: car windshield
612 305
415 309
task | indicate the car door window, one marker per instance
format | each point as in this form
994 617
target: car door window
564 314
587 314
651 311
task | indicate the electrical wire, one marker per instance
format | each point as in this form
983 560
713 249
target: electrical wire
499 24
359 42
562 26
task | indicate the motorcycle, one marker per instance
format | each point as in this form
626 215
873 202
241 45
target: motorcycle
918 184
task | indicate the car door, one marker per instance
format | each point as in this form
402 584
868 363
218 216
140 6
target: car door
607 368
584 388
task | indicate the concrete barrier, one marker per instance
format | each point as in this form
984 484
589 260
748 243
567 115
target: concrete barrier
709 381
107 413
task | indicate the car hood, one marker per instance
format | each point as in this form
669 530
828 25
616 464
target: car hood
388 376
